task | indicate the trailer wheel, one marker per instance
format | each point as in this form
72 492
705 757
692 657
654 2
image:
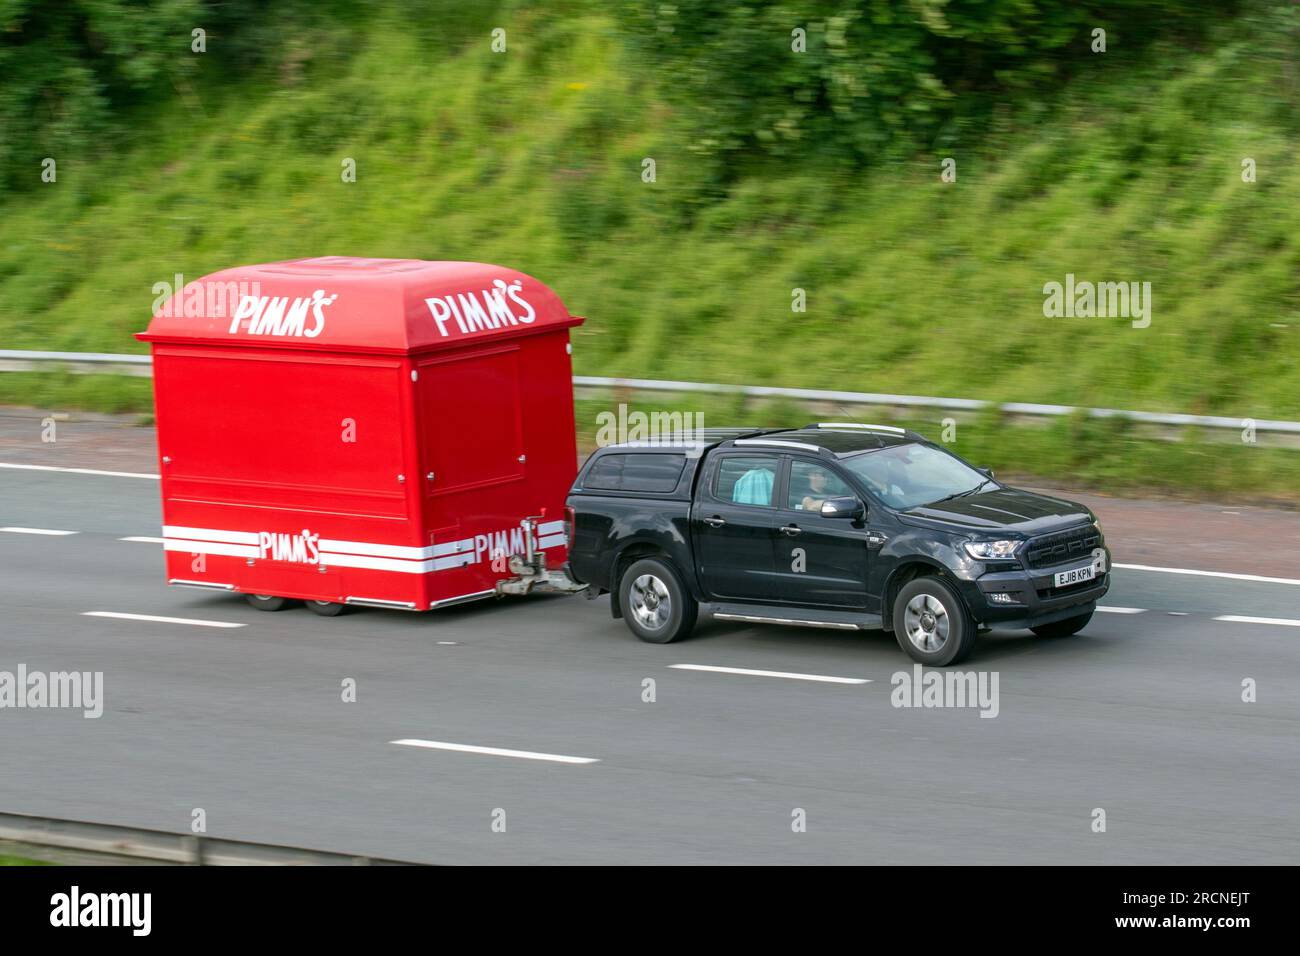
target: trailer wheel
656 605
326 608
267 602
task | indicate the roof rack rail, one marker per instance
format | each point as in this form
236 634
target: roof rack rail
770 442
893 429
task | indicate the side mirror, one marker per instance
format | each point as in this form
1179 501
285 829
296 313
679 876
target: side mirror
986 472
846 507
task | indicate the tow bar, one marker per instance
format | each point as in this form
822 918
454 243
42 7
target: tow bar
530 570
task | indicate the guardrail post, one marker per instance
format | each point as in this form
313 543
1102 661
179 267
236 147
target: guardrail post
195 848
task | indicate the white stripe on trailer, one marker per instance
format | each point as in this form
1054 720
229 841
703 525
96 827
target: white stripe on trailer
211 547
210 534
330 560
452 547
331 546
405 559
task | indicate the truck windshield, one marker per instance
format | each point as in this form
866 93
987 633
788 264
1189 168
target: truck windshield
904 476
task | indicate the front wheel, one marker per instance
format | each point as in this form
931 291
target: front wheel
656 605
267 602
1071 625
931 623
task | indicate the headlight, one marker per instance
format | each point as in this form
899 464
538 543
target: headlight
992 550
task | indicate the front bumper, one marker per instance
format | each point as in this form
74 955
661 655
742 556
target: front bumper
1036 599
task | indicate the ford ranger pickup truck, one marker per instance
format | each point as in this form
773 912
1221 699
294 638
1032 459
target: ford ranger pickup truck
835 524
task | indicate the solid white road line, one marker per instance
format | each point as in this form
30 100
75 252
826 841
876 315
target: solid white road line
753 673
37 531
78 471
492 751
1120 610
142 539
1242 619
1210 574
159 620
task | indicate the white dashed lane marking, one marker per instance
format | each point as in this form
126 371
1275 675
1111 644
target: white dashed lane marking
159 620
1210 574
492 751
1120 610
142 539
747 672
1242 619
78 471
49 531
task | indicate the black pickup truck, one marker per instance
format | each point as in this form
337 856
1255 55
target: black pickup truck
830 525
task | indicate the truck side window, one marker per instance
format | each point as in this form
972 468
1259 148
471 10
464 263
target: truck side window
641 471
746 480
811 484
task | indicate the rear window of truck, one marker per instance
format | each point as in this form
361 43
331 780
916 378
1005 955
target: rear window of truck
636 472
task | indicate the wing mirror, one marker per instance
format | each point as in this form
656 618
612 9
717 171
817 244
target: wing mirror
846 507
986 472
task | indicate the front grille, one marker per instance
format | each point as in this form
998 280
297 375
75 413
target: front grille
1062 546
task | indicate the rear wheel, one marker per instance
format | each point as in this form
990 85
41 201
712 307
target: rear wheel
1071 625
931 623
655 603
267 602
326 608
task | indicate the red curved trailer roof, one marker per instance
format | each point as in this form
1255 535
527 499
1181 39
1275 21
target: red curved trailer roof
359 305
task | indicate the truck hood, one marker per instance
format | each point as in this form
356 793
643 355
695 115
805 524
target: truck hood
1000 509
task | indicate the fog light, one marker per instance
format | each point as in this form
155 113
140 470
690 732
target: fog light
1003 597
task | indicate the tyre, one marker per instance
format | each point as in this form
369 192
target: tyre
655 602
326 608
267 602
1071 625
931 623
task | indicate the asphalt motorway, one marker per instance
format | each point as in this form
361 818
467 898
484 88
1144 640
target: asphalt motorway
1141 716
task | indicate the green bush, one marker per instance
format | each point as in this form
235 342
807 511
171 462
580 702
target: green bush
875 78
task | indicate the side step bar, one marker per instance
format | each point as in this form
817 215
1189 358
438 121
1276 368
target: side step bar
798 616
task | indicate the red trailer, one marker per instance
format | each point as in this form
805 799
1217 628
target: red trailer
363 431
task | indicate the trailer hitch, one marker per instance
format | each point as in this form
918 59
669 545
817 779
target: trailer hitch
529 570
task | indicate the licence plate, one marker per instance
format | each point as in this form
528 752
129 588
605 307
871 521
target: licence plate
1075 575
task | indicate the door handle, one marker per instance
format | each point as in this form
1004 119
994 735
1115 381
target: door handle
715 521
791 530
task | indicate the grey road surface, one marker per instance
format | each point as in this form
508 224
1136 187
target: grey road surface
1140 716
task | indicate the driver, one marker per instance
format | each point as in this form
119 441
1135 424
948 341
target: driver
817 490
